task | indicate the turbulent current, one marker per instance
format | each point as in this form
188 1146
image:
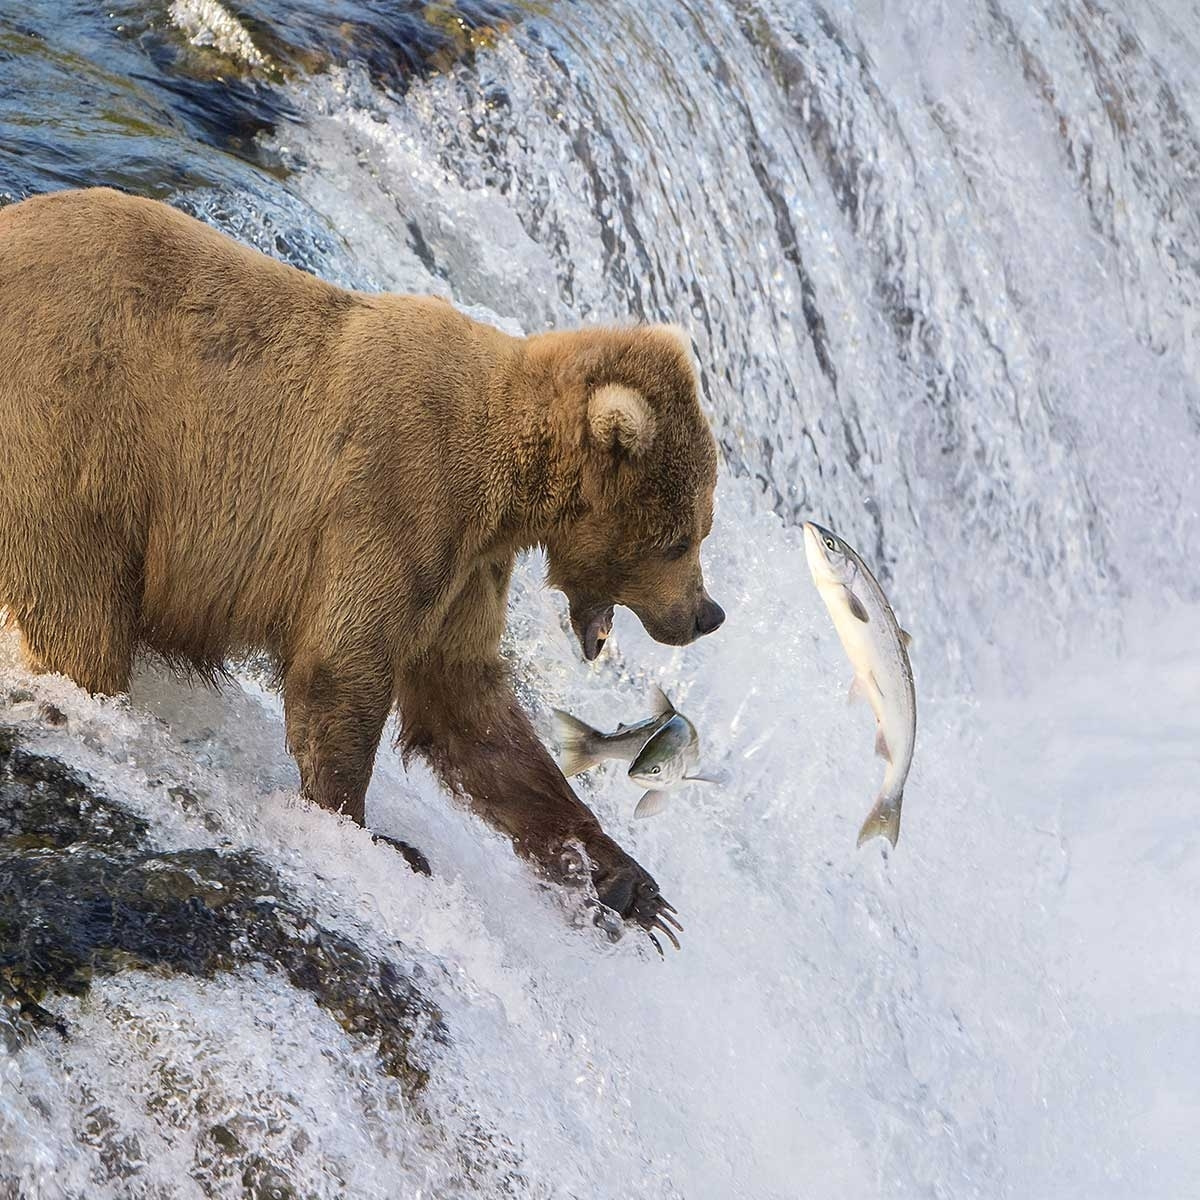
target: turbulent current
940 264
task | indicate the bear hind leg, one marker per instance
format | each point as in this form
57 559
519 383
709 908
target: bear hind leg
335 720
335 715
92 642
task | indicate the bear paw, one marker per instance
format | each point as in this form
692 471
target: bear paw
627 889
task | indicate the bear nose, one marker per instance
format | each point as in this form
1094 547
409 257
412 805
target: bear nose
709 617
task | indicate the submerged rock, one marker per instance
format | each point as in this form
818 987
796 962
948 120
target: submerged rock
84 894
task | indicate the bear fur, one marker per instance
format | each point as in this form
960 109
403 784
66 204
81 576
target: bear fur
206 453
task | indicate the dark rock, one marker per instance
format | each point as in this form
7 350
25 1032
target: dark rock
121 95
83 894
52 714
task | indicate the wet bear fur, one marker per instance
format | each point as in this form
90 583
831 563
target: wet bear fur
207 453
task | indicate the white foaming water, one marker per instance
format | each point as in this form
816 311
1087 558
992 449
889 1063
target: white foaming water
209 23
935 265
939 267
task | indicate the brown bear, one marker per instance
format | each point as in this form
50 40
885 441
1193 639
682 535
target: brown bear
205 452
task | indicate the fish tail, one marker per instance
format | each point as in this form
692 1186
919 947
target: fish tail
579 742
883 820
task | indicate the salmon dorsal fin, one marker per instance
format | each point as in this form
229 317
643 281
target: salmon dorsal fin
662 702
906 638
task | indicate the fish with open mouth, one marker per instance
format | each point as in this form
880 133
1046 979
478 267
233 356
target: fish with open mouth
662 750
878 651
664 762
584 747
663 747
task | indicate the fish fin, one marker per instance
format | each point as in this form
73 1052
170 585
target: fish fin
858 690
855 606
881 746
906 638
578 743
662 702
883 820
701 779
651 804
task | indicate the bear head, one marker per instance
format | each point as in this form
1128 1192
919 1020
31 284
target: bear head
647 467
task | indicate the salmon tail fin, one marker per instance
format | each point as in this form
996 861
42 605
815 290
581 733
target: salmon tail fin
579 742
883 820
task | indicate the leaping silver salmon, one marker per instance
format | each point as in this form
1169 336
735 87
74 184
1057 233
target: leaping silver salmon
878 651
663 748
585 747
664 762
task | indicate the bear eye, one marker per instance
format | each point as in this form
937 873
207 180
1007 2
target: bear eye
679 549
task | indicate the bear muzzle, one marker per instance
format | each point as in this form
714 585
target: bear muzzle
710 617
681 624
593 624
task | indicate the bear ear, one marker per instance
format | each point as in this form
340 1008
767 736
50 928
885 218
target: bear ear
619 419
678 335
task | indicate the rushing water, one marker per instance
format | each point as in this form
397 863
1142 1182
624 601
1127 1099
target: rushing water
941 265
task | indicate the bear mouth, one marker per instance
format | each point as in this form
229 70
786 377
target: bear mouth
592 629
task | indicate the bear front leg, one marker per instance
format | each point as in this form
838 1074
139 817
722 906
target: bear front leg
465 719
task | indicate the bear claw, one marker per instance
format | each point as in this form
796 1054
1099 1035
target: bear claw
416 860
666 916
632 895
665 930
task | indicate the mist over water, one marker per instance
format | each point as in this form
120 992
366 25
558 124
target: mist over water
941 268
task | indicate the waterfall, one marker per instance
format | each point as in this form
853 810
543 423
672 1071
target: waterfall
941 268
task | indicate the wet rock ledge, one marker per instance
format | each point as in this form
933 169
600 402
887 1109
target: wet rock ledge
84 894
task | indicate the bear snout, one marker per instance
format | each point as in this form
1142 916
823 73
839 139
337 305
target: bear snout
710 617
682 623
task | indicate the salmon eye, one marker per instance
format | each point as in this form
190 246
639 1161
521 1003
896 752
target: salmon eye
656 770
831 543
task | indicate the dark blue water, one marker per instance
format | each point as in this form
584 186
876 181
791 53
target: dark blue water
120 95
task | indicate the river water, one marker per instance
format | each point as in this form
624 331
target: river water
941 266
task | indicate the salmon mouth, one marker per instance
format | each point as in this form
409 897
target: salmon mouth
592 628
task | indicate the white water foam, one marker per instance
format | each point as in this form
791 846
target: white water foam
209 23
943 1020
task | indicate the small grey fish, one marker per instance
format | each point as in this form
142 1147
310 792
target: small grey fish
878 651
585 747
664 763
